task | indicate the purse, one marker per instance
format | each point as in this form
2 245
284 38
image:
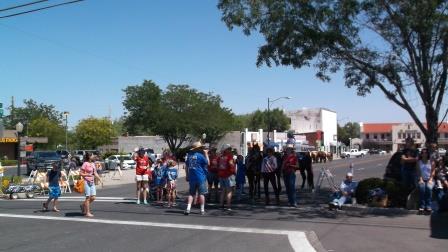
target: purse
79 186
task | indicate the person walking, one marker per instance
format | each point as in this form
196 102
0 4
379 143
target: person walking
253 166
240 175
142 174
196 175
226 174
54 179
212 176
425 178
88 173
289 168
268 169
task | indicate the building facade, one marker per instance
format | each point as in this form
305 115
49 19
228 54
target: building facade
321 121
391 136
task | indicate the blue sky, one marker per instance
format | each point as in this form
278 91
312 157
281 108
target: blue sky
79 58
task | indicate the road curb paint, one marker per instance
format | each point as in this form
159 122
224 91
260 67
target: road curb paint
298 239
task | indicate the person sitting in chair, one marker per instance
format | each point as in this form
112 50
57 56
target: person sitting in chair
346 192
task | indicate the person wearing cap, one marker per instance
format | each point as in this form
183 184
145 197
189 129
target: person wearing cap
142 174
196 171
409 160
289 167
346 192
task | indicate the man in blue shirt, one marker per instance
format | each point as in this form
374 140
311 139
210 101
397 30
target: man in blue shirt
346 192
196 171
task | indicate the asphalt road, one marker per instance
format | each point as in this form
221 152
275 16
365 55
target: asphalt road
121 225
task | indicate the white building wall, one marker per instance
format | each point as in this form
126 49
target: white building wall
329 127
305 120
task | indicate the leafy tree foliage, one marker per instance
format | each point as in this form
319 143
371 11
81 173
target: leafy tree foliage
44 127
349 130
397 46
260 120
177 114
93 132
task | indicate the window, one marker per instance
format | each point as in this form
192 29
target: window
419 135
446 135
399 135
382 136
367 136
375 136
438 135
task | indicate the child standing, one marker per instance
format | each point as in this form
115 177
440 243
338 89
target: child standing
171 176
158 182
240 175
53 178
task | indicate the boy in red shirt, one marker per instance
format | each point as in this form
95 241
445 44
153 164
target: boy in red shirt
226 174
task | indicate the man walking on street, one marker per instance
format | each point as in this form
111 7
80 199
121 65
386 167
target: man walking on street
197 163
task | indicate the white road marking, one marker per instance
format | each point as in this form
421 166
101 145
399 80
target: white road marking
297 239
360 169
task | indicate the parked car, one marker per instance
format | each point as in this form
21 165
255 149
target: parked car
382 152
374 151
42 160
125 160
353 153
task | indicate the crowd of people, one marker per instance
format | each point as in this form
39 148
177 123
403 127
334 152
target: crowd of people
426 171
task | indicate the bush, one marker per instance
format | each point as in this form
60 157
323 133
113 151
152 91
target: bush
8 162
362 191
397 194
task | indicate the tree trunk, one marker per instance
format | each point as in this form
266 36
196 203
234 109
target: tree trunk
432 125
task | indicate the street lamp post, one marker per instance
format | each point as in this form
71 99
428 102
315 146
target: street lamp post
269 113
19 129
66 113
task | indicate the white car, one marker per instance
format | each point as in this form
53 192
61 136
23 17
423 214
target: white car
128 162
382 152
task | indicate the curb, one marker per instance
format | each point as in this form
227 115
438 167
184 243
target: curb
378 210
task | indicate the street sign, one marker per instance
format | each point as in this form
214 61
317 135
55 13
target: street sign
23 154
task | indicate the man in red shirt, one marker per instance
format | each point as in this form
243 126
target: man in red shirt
226 174
143 174
289 168
212 176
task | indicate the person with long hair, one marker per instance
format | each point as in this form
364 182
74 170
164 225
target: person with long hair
88 173
425 180
142 174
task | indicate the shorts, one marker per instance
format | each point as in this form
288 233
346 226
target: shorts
212 178
227 182
139 178
89 189
171 185
200 186
55 192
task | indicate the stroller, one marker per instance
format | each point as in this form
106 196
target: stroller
22 191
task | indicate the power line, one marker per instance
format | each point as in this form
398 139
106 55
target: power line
39 9
23 5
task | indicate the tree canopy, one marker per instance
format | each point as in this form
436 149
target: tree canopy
260 120
349 130
397 46
93 132
176 114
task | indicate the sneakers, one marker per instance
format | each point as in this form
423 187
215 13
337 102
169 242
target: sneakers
202 212
145 202
186 212
138 202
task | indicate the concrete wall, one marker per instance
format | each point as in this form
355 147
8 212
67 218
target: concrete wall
330 128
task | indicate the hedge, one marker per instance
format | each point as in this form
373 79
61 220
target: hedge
8 162
397 193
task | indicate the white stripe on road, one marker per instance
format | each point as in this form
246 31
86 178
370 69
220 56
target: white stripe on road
297 239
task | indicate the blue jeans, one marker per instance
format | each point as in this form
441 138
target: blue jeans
340 199
425 190
408 177
290 184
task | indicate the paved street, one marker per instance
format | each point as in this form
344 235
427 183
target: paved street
121 225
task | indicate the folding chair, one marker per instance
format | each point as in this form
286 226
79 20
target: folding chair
41 180
32 177
65 185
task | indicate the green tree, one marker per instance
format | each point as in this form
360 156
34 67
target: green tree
397 46
43 127
349 130
260 120
177 114
142 104
93 132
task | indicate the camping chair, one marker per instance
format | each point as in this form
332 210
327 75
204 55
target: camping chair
41 180
65 185
31 177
